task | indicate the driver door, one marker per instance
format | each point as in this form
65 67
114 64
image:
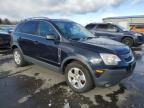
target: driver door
48 49
113 32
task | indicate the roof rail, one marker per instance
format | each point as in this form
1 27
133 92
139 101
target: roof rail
32 18
39 18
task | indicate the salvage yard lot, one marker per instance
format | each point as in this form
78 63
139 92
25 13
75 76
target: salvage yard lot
36 87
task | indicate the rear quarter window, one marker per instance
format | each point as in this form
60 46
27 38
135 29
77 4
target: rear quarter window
18 28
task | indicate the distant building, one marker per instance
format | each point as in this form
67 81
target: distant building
127 21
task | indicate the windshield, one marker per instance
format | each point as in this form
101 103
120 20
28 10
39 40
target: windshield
71 30
122 28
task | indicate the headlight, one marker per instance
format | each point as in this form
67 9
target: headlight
110 59
138 34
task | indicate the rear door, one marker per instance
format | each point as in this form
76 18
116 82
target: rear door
27 39
49 51
114 32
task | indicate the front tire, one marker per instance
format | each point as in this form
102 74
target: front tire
128 41
18 58
78 77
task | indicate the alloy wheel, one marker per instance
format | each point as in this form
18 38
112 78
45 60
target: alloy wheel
17 57
76 78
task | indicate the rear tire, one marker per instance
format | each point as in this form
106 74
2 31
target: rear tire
18 58
78 77
128 41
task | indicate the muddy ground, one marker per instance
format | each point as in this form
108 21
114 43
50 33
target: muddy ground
36 87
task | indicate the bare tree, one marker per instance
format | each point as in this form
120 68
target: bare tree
7 21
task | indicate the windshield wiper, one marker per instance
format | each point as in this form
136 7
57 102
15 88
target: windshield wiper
74 38
84 38
89 37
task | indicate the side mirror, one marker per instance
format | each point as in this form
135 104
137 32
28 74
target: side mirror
51 37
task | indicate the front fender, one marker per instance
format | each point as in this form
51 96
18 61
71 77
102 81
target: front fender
81 59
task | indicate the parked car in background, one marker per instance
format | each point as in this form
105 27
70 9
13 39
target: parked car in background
5 41
68 48
5 38
7 28
116 32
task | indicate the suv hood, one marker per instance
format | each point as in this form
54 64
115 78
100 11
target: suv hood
103 45
131 33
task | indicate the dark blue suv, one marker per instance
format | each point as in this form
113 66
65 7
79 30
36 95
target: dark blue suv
68 48
117 33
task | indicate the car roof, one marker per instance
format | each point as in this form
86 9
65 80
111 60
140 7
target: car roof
99 23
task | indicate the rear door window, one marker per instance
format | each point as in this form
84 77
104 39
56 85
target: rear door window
102 27
27 27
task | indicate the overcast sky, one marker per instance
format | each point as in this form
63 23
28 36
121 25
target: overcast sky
81 11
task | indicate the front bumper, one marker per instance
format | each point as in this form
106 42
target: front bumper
139 40
113 76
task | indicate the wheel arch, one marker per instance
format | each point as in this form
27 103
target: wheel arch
79 59
14 47
127 37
